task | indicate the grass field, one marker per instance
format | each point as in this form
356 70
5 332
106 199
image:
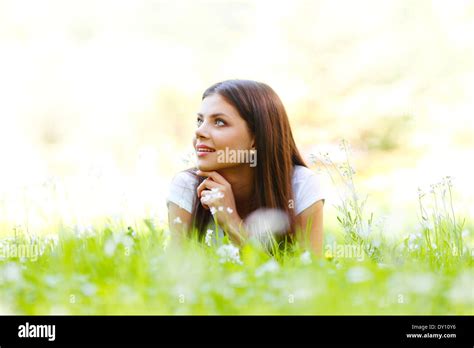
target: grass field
115 268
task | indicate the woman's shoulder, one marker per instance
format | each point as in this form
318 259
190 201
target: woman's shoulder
302 173
184 178
182 190
307 187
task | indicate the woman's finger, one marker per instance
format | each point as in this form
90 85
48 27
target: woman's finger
215 176
206 184
204 200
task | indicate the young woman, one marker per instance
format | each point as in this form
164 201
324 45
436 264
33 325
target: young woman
243 117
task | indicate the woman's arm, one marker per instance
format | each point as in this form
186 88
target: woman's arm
179 221
309 226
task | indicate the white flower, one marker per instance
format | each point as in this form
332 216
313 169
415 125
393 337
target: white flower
229 253
11 272
305 258
421 283
230 210
447 181
213 210
109 247
52 280
461 291
414 241
417 283
358 274
126 241
269 267
83 230
216 193
264 222
363 230
89 289
428 224
208 237
212 195
237 279
220 208
177 220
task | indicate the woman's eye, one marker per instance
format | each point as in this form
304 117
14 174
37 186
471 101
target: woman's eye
218 122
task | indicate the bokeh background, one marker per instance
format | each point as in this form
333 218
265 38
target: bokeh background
98 98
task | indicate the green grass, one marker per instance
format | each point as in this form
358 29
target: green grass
117 273
118 269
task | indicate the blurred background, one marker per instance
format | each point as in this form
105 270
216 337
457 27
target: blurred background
98 98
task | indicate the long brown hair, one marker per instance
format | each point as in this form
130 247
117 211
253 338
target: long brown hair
266 118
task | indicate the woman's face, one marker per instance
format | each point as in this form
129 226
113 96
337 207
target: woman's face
221 128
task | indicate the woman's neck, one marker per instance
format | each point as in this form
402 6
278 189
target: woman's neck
241 180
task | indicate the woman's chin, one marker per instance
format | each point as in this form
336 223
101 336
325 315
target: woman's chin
206 167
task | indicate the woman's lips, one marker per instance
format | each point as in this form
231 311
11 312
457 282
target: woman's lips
204 151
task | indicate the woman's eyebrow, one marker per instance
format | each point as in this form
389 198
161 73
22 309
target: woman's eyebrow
213 115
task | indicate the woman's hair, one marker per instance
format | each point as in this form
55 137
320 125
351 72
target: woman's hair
266 118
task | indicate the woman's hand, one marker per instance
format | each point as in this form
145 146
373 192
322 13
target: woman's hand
216 194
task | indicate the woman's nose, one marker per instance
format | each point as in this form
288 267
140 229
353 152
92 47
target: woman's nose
201 131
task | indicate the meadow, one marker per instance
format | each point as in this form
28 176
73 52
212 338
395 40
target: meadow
114 267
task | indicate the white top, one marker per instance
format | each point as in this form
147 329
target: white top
306 184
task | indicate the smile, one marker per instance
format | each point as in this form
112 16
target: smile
204 152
